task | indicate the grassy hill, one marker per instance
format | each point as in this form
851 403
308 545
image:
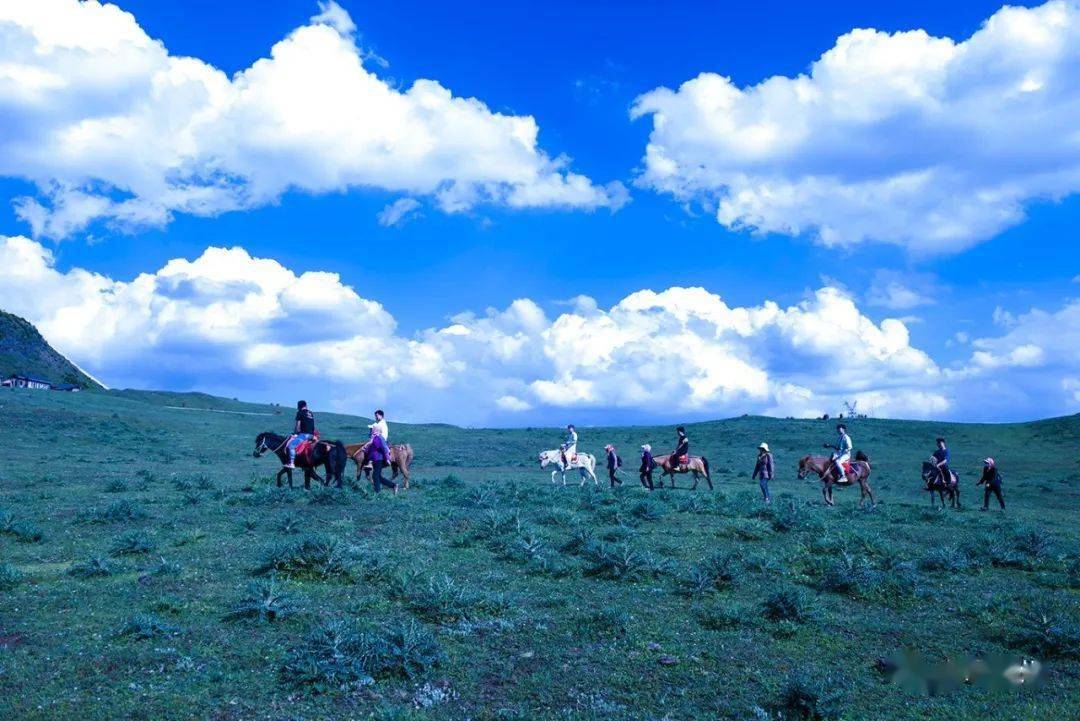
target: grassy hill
149 569
23 350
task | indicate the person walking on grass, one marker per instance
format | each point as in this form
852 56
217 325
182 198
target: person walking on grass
613 465
763 470
991 479
378 454
648 465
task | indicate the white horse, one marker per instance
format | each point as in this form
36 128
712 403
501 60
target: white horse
585 462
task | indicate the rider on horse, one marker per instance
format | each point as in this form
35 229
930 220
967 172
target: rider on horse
304 430
841 451
380 424
940 459
569 446
681 456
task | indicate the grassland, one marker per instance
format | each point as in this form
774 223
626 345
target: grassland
150 570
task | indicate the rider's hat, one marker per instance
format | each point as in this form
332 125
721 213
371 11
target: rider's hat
609 447
764 447
988 462
647 447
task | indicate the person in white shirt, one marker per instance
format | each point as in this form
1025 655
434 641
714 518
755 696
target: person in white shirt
380 424
569 446
841 451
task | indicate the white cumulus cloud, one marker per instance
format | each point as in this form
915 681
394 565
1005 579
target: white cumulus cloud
903 138
110 125
233 324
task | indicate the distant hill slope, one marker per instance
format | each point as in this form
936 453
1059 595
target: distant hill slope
23 350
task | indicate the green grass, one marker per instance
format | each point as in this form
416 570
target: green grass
139 579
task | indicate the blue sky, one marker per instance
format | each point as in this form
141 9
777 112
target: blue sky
578 70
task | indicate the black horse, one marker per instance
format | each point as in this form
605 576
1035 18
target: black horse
324 453
934 484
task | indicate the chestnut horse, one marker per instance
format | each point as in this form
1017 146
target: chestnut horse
698 465
932 478
401 457
824 467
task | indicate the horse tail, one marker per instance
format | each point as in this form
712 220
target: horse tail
860 456
705 462
339 457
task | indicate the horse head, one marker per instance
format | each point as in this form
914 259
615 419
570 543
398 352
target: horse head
804 467
261 444
545 458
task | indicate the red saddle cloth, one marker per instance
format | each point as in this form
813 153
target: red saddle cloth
848 468
683 460
303 451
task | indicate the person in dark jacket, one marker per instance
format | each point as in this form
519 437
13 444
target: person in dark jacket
648 465
613 463
303 430
941 461
991 478
378 455
682 449
763 470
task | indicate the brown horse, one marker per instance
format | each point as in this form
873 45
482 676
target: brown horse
824 467
698 465
401 458
932 478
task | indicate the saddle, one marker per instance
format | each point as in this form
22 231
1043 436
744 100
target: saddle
303 451
683 460
848 468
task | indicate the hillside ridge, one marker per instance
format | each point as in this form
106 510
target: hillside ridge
24 350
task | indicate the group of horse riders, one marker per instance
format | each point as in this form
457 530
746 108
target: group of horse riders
376 451
680 457
763 468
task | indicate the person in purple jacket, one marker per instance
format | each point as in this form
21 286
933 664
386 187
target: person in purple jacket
378 455
763 470
648 465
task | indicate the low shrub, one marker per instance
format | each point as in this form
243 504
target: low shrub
115 486
787 604
336 656
622 562
944 558
808 697
21 531
649 510
264 601
145 626
443 600
721 614
132 543
708 575
10 577
607 623
1045 633
290 525
122 511
313 556
165 568
96 567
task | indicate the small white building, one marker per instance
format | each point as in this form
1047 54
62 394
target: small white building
23 380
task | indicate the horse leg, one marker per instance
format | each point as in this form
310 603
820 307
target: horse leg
405 476
279 474
864 484
695 477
